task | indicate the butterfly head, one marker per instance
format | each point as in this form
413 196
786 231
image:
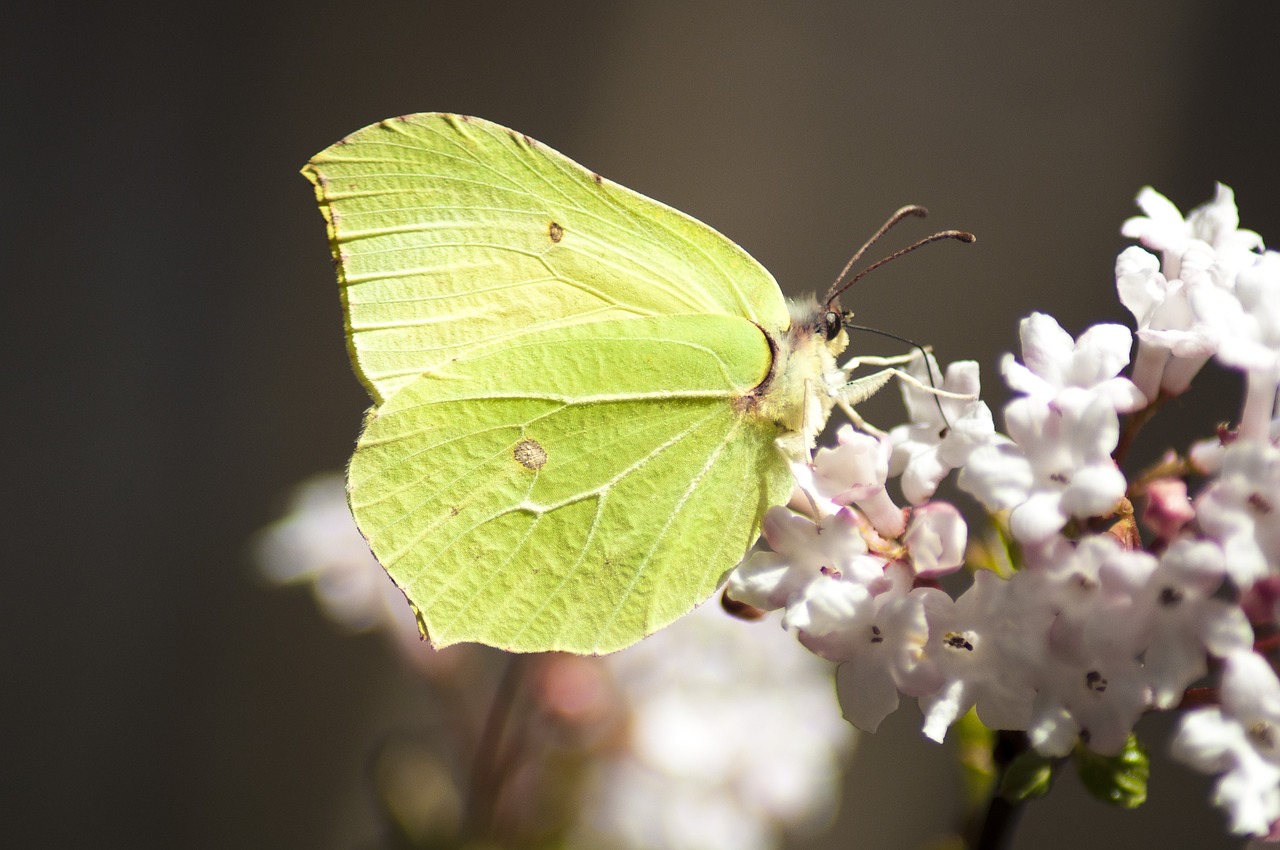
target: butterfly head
816 326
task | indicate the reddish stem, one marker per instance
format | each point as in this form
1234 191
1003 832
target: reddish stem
1199 698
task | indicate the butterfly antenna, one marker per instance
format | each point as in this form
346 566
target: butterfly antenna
911 210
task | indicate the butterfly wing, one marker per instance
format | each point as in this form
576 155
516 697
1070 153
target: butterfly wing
452 233
576 489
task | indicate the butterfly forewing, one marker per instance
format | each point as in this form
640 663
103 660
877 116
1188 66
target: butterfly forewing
452 233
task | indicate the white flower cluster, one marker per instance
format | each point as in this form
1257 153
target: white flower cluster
1087 627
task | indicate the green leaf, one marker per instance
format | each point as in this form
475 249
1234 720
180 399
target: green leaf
1120 780
1027 777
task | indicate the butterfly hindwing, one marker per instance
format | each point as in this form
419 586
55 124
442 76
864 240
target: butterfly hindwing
576 490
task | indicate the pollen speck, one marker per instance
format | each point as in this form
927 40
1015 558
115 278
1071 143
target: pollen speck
530 454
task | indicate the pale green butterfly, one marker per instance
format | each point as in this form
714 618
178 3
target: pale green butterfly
584 400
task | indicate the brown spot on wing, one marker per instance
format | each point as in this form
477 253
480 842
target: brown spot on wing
530 454
556 232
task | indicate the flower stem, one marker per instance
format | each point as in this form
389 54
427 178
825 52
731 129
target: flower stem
486 776
1198 698
1000 820
1265 644
999 824
1132 425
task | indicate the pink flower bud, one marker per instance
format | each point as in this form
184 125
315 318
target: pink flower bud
1168 509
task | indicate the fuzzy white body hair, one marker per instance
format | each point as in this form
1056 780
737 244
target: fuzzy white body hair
805 380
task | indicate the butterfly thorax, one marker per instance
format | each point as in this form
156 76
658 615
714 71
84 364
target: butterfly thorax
804 379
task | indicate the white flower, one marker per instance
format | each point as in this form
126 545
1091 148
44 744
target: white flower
1055 363
968 642
943 431
1099 695
1250 339
1239 510
854 473
1174 620
936 537
1214 225
1090 682
1246 325
1206 456
1241 741
1172 343
1162 228
882 643
831 617
803 551
1059 466
1200 258
1064 430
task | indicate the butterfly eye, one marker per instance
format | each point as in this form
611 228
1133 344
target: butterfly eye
832 324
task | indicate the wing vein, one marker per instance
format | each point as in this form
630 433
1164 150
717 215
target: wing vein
662 533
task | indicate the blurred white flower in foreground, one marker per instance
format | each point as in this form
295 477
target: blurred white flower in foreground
733 731
317 543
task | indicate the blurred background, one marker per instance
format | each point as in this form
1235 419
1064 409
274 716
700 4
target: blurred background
178 361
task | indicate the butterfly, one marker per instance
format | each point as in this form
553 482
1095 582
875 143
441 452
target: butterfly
584 400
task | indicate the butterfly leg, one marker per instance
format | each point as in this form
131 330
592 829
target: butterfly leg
931 390
863 388
858 422
899 360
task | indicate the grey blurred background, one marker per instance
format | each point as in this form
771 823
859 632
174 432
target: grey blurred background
177 362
